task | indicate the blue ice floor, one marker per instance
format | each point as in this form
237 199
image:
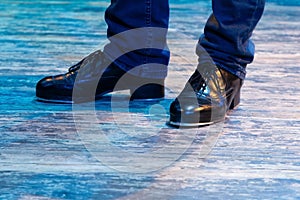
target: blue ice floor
255 155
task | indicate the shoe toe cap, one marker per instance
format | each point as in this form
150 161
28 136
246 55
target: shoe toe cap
45 82
181 111
190 111
52 87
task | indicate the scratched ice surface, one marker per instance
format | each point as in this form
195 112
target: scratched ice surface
256 156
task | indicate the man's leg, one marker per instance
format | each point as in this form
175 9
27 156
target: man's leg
227 34
134 20
224 50
127 50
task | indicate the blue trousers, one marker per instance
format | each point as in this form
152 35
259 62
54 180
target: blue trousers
226 36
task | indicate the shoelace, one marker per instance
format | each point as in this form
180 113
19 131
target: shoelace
90 59
76 66
205 74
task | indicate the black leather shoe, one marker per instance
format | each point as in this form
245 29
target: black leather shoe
59 88
208 95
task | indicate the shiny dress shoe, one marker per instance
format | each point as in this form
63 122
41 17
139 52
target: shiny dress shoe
208 95
95 79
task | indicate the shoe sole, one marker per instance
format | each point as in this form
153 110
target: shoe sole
189 125
39 99
53 101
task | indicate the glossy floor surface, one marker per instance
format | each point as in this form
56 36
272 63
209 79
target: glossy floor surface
125 151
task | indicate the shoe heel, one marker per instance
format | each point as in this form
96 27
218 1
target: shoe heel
151 91
236 100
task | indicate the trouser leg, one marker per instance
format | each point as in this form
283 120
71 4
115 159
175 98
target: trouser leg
130 28
227 34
